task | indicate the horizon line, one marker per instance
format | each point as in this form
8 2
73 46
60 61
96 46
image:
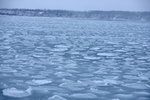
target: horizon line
74 10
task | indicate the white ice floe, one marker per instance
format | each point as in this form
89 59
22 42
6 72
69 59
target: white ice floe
62 46
8 70
105 54
130 77
143 77
56 97
106 82
38 76
112 81
71 65
39 82
75 53
142 93
84 96
125 96
13 92
91 58
86 75
100 71
95 48
19 74
59 49
136 85
97 91
73 86
72 71
63 74
120 50
116 99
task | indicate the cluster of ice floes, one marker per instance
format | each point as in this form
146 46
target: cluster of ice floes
73 64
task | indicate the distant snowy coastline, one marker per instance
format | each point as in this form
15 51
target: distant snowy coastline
100 15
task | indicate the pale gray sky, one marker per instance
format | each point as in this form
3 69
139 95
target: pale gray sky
80 5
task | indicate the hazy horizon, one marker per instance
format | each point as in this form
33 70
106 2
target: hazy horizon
77 5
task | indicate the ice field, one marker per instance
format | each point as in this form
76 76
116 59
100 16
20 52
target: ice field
73 59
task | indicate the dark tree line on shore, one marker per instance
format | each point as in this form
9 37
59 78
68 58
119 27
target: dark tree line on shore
101 15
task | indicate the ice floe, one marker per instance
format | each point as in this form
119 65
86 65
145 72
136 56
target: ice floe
136 85
73 86
142 93
143 77
100 92
95 48
8 70
106 82
59 49
84 96
63 74
131 77
105 54
91 58
125 96
56 97
39 82
13 92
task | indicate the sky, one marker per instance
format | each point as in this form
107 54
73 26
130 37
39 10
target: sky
79 5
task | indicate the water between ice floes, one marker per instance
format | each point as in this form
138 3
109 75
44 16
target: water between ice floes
73 59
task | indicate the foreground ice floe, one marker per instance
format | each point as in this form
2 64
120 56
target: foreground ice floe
39 82
13 92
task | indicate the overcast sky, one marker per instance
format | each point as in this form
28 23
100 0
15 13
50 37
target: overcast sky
80 5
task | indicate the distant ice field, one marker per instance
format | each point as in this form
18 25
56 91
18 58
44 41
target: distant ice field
45 58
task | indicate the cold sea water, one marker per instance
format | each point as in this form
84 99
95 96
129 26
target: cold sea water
45 58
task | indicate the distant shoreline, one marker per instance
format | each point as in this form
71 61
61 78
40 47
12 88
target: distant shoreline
100 15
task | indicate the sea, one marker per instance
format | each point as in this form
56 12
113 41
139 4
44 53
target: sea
50 58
